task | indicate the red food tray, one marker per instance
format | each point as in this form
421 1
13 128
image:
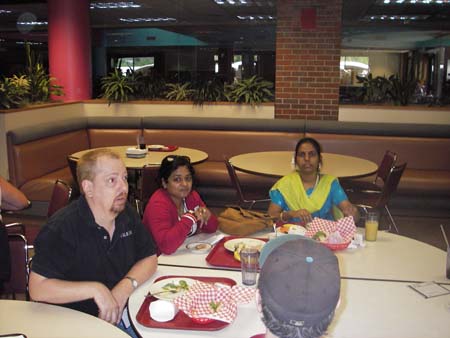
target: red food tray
166 148
219 256
181 320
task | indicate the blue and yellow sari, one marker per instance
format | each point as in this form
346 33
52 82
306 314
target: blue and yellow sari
320 201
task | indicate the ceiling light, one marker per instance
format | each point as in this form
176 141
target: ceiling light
114 5
402 18
5 11
32 23
417 2
256 17
134 20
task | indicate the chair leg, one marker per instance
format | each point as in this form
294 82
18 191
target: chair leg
391 219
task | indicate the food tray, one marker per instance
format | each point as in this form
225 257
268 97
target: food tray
219 256
181 320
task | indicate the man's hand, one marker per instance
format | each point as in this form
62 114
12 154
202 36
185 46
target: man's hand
109 309
121 292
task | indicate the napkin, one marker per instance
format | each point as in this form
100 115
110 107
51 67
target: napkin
215 301
345 226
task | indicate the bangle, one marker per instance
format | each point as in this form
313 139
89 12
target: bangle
281 216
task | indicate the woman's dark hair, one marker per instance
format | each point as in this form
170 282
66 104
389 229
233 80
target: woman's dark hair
171 163
313 142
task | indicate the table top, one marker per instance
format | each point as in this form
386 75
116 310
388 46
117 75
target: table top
152 157
370 309
279 163
39 320
392 257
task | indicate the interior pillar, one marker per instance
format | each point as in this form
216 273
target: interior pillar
69 47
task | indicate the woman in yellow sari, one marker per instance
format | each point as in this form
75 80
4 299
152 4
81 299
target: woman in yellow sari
306 193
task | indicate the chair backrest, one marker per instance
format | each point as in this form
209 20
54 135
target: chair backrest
387 163
149 184
60 197
391 184
72 161
235 181
18 282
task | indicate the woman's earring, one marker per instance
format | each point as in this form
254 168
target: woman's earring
319 167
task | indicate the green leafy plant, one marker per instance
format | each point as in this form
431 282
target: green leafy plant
375 89
149 87
116 87
401 91
253 90
179 92
208 91
41 84
12 95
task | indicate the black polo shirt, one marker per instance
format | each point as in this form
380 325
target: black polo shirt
73 247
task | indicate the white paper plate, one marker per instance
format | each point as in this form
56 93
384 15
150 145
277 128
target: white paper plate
155 146
157 288
198 247
248 243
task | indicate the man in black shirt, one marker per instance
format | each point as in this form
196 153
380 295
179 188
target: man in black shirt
91 255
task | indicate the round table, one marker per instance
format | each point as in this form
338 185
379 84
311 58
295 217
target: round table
391 258
280 163
36 320
152 158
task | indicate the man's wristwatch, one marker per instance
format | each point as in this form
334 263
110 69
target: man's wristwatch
134 282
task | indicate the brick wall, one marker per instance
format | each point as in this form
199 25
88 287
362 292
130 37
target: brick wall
307 60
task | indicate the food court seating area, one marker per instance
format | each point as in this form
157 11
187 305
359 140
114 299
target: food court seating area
37 155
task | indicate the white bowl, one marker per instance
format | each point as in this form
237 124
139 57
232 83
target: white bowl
162 310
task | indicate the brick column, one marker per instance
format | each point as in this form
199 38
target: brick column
308 52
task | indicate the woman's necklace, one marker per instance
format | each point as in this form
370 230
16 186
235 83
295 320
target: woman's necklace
317 181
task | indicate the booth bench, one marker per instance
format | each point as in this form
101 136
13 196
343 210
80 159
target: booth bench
37 155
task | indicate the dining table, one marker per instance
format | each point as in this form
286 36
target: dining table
153 158
367 308
281 163
40 320
391 257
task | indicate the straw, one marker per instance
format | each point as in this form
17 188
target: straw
445 236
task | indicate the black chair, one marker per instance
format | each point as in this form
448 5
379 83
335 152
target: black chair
379 200
387 163
62 192
148 185
19 262
242 200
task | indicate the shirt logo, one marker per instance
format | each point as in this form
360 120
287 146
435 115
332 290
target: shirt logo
126 234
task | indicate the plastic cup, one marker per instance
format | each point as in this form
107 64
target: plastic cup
371 226
249 265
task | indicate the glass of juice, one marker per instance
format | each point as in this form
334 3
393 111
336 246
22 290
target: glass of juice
371 226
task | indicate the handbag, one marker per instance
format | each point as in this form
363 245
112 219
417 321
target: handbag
241 222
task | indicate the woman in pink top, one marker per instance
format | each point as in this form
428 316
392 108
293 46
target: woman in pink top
175 211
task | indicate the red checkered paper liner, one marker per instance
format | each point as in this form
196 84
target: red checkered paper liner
196 303
345 226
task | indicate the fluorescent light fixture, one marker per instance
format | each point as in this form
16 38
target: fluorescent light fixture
114 5
256 17
5 11
395 17
32 23
28 43
413 2
232 2
134 20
